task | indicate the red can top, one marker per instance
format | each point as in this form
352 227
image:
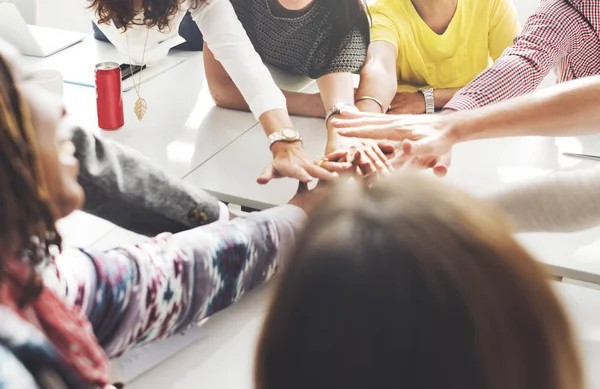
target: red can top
107 66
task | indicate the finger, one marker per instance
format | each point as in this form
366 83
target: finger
376 159
338 167
377 132
267 175
298 173
337 155
381 118
386 148
382 157
365 164
320 173
443 164
352 113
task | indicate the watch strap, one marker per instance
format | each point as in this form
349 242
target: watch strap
279 137
337 108
429 100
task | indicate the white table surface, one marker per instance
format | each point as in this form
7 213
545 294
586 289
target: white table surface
477 167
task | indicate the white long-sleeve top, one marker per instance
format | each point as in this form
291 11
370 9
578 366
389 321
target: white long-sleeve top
226 38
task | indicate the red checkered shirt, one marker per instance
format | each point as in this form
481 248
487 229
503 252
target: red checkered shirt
555 36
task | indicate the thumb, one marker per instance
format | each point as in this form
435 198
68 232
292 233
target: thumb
267 175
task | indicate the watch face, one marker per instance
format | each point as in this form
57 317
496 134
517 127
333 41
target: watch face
289 133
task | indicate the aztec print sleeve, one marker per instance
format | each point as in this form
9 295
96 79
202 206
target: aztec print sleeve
134 295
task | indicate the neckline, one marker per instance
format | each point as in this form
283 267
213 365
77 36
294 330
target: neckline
278 11
416 15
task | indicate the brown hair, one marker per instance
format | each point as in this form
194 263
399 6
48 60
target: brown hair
156 12
416 285
26 214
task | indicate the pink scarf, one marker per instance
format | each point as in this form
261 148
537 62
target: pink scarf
69 331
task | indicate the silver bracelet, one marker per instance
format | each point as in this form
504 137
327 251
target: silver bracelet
429 101
373 99
337 108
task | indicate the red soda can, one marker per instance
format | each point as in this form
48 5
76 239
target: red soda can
109 96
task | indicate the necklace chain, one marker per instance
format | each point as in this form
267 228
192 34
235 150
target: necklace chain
140 104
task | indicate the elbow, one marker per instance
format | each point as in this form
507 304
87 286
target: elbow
222 96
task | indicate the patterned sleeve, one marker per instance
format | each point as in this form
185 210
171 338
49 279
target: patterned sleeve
349 58
549 34
134 295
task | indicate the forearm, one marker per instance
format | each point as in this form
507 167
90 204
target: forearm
560 202
138 294
378 84
125 188
441 97
378 78
568 109
335 88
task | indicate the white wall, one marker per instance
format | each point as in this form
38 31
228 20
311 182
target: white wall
66 14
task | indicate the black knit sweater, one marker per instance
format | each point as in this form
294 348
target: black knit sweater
300 43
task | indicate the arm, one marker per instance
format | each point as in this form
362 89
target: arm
137 294
378 77
561 202
568 109
227 95
227 39
413 102
335 88
125 188
549 34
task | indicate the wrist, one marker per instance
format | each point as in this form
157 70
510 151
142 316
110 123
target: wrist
281 147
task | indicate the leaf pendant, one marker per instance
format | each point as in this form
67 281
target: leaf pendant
140 108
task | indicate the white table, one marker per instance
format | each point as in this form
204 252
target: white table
478 167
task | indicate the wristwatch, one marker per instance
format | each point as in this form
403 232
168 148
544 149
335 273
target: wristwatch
337 108
429 102
286 134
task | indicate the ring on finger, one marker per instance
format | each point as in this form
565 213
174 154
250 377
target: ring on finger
322 161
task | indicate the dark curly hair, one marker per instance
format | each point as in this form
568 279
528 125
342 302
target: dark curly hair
121 12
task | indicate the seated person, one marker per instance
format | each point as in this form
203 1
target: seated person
424 51
65 310
188 30
412 284
325 40
137 27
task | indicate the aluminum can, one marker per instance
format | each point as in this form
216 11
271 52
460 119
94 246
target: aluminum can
109 96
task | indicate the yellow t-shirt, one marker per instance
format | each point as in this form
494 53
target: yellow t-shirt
478 33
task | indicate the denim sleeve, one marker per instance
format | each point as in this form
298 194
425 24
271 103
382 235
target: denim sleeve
128 190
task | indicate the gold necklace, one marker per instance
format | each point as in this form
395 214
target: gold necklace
140 106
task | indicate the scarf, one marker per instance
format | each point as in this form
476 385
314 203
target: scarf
66 327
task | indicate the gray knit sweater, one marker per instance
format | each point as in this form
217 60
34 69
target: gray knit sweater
561 202
300 44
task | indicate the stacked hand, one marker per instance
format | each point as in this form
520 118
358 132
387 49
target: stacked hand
366 155
426 139
291 160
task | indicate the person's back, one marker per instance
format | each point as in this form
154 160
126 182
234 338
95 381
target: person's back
413 285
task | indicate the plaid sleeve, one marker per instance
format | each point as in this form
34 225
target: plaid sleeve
549 34
134 295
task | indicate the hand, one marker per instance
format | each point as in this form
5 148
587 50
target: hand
407 103
427 137
290 160
368 155
306 199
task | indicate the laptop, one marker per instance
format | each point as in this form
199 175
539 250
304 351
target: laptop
30 40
